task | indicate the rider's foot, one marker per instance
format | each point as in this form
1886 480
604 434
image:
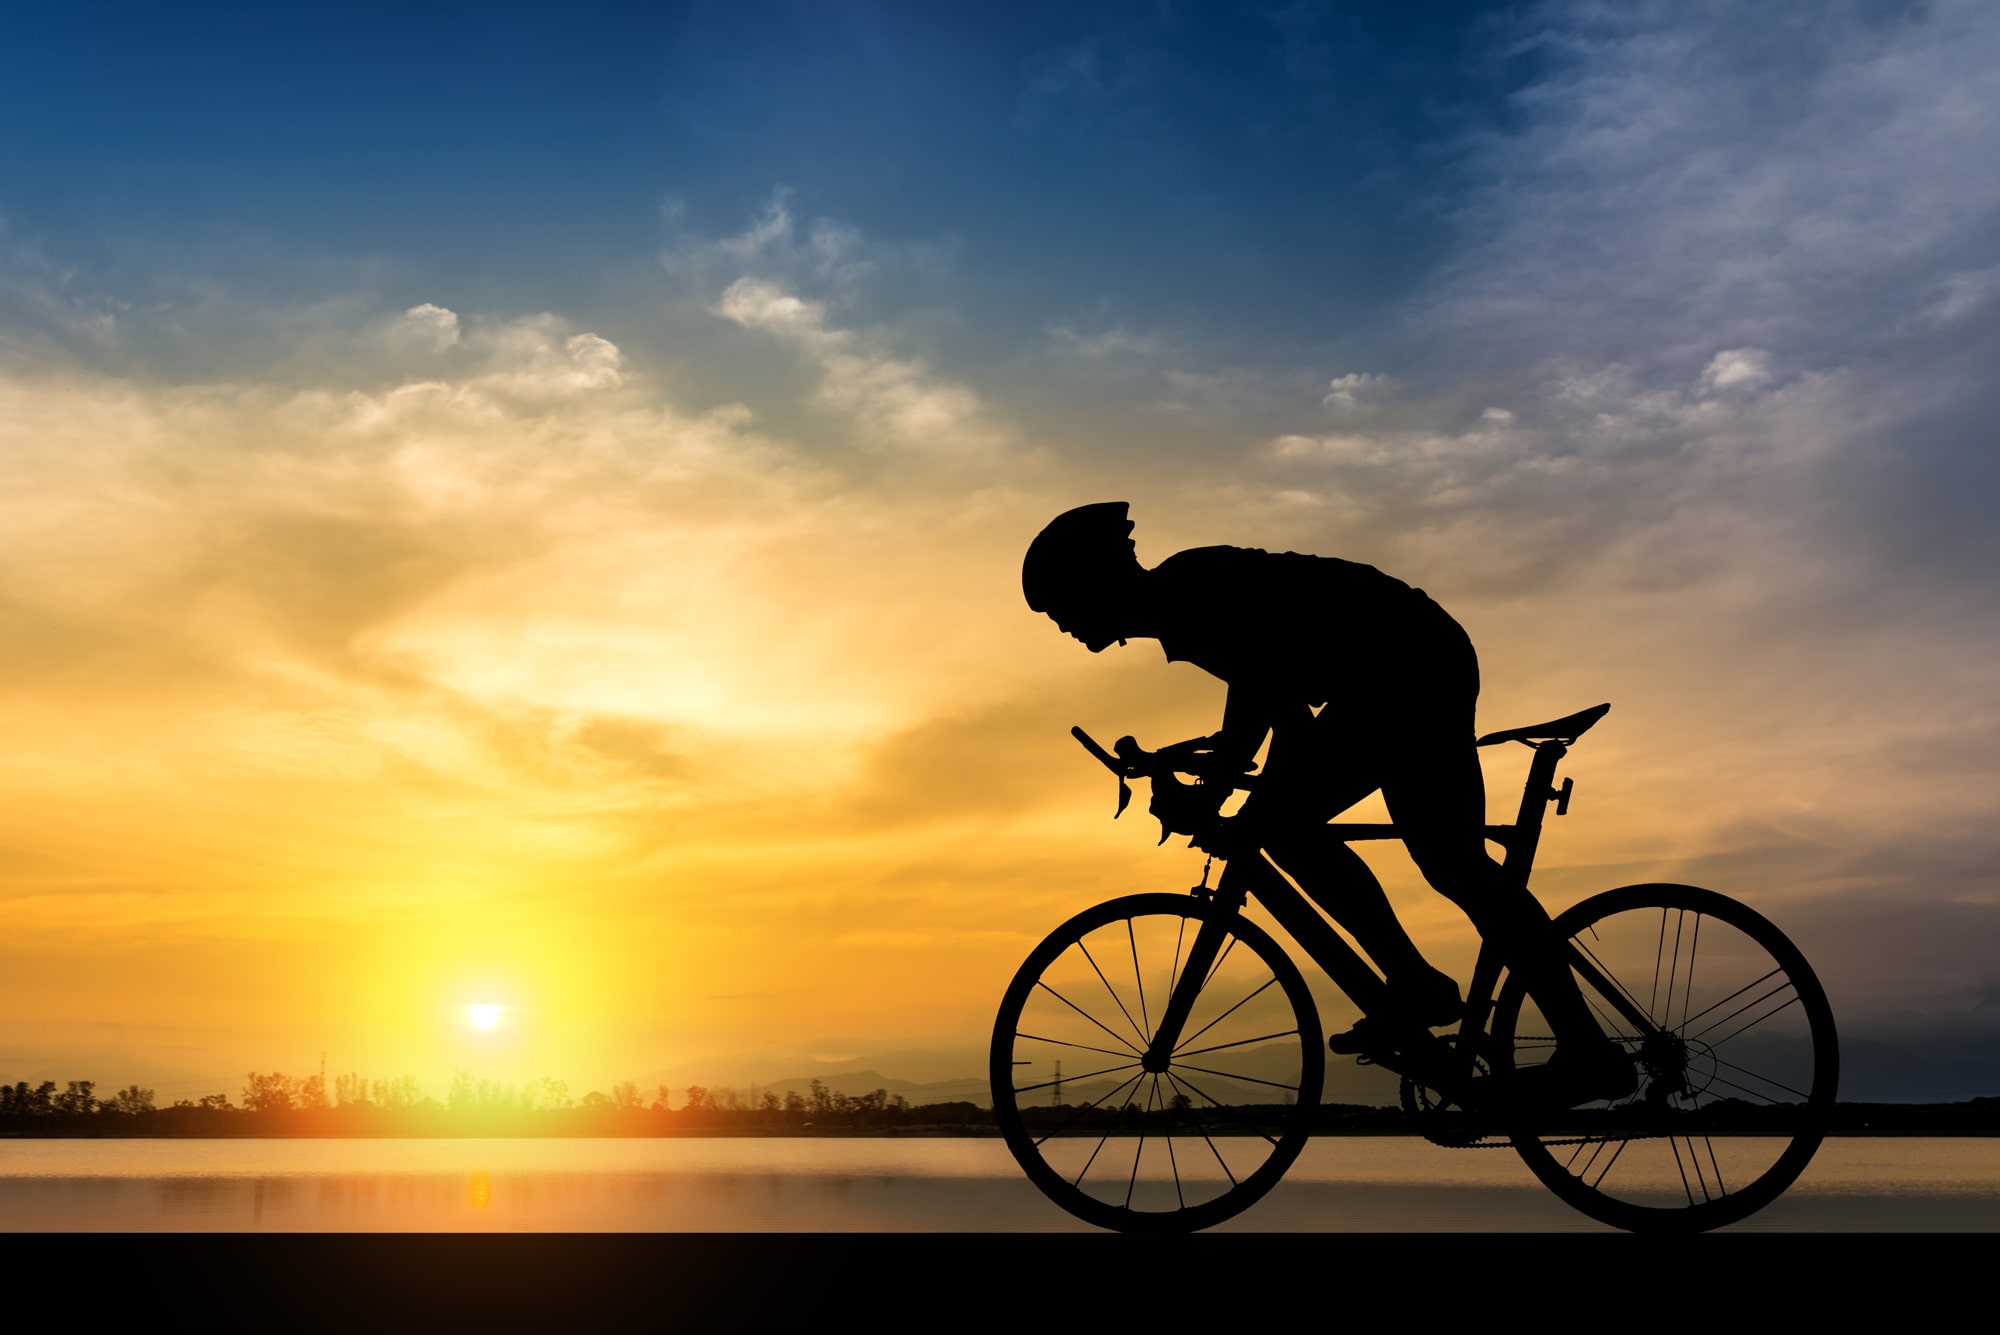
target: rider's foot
1425 1004
1576 1075
1368 1037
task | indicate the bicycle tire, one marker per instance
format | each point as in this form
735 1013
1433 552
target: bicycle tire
1088 991
1731 1103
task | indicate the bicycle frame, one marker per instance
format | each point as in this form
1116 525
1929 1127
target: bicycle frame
1428 1058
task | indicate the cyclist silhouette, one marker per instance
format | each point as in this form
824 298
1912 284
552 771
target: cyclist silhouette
1361 683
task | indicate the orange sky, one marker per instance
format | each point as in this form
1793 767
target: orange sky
591 587
339 706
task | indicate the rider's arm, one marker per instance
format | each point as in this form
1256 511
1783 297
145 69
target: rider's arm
1246 720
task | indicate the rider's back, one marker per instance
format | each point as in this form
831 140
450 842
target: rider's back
1304 627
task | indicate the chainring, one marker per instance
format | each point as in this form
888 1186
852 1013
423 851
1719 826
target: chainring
1440 1121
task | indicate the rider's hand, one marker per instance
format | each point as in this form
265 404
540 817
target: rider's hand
1202 756
1223 837
1184 808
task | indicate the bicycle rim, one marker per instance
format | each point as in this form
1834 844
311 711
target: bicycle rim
1734 1095
1169 1151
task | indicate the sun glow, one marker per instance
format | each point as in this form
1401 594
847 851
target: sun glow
483 1015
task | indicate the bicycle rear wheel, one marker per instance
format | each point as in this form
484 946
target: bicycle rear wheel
1735 1091
1171 1150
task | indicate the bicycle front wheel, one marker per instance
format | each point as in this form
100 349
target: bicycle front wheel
1174 1149
1736 1086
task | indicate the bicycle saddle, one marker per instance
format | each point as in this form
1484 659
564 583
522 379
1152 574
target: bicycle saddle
1565 729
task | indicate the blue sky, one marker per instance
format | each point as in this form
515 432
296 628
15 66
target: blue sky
462 401
1165 159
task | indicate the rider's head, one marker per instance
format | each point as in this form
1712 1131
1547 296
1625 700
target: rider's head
1082 571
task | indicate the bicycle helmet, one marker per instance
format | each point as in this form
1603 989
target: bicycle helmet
1077 552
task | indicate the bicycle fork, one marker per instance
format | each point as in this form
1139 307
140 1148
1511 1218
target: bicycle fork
1202 958
1239 881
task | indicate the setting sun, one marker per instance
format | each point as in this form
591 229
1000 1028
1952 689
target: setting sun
483 1015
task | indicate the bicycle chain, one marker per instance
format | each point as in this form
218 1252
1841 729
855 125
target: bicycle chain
1493 1140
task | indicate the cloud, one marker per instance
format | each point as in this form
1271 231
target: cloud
894 401
1352 389
427 327
1736 367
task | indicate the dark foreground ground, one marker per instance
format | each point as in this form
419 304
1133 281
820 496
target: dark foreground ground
971 1282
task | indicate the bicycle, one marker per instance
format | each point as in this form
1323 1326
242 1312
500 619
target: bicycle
1205 1046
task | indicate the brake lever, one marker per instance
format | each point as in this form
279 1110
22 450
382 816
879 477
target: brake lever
1110 762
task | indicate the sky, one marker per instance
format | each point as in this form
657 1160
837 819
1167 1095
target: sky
524 506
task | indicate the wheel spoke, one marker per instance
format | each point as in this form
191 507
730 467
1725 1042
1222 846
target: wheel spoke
1140 1149
1174 973
1065 1043
1241 1042
1089 1158
1776 1084
1226 1014
1077 1181
1674 969
1255 1080
1088 1016
1077 1116
1221 1162
1072 1079
1608 1162
1213 1101
1659 957
1132 938
1113 992
1617 982
1687 994
1748 1025
1703 1013
1720 973
1675 1146
1216 967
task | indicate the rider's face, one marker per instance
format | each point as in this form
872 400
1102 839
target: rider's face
1091 628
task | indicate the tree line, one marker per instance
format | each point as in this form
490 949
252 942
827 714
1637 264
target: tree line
273 1103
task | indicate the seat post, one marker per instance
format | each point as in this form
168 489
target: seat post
1535 798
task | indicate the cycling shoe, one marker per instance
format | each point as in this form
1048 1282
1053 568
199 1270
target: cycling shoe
1367 1037
1427 1005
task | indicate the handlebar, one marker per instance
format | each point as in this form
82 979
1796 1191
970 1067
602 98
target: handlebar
1132 761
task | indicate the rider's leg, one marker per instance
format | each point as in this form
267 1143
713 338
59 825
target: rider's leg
1431 780
1434 803
1342 884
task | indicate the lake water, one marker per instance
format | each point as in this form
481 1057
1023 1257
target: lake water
1340 1183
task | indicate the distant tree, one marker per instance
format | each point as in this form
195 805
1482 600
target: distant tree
349 1088
769 1104
79 1099
552 1093
625 1094
18 1100
795 1104
594 1100
130 1100
697 1100
215 1103
400 1093
822 1098
663 1099
270 1093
